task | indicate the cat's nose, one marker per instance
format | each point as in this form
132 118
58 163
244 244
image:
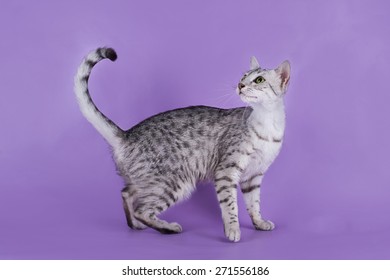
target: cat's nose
241 85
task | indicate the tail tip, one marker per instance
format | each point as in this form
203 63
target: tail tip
110 53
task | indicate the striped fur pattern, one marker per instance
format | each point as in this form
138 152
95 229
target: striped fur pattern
162 158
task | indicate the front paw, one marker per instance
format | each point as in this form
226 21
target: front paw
263 225
233 233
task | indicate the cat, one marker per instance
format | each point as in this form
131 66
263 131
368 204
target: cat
163 157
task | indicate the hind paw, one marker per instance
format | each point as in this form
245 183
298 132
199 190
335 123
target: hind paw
175 227
170 228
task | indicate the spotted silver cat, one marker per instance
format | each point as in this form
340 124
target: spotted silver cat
162 158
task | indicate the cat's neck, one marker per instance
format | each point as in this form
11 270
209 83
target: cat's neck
267 112
269 117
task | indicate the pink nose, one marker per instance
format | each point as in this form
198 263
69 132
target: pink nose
241 85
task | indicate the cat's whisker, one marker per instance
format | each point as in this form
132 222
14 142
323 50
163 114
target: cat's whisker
221 96
227 87
227 100
224 99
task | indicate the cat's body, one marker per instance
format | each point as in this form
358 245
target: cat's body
162 158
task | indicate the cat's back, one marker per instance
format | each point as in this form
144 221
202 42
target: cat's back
194 121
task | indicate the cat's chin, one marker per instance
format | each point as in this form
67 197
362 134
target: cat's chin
249 99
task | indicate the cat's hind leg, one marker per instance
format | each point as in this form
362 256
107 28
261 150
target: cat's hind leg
127 197
150 205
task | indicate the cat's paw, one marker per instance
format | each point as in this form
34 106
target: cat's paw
264 225
171 228
175 227
233 234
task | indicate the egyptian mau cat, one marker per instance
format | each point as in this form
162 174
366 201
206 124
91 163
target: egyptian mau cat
162 158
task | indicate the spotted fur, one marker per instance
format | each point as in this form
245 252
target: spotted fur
162 158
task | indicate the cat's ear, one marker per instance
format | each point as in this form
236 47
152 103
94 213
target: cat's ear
254 63
283 71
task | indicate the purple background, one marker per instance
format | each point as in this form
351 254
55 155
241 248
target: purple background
328 192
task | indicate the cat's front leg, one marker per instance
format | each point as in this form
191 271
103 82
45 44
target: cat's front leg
250 188
226 188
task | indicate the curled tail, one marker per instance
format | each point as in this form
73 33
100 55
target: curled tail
106 127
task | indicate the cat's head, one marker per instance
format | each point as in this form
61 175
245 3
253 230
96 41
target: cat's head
262 86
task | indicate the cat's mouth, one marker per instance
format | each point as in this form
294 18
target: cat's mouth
249 97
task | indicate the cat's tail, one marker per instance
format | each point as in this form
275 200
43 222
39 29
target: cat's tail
106 127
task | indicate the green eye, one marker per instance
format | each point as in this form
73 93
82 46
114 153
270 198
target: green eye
259 80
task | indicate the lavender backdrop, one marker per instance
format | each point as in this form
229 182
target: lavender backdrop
328 192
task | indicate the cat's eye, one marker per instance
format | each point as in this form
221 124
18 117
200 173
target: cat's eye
259 80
